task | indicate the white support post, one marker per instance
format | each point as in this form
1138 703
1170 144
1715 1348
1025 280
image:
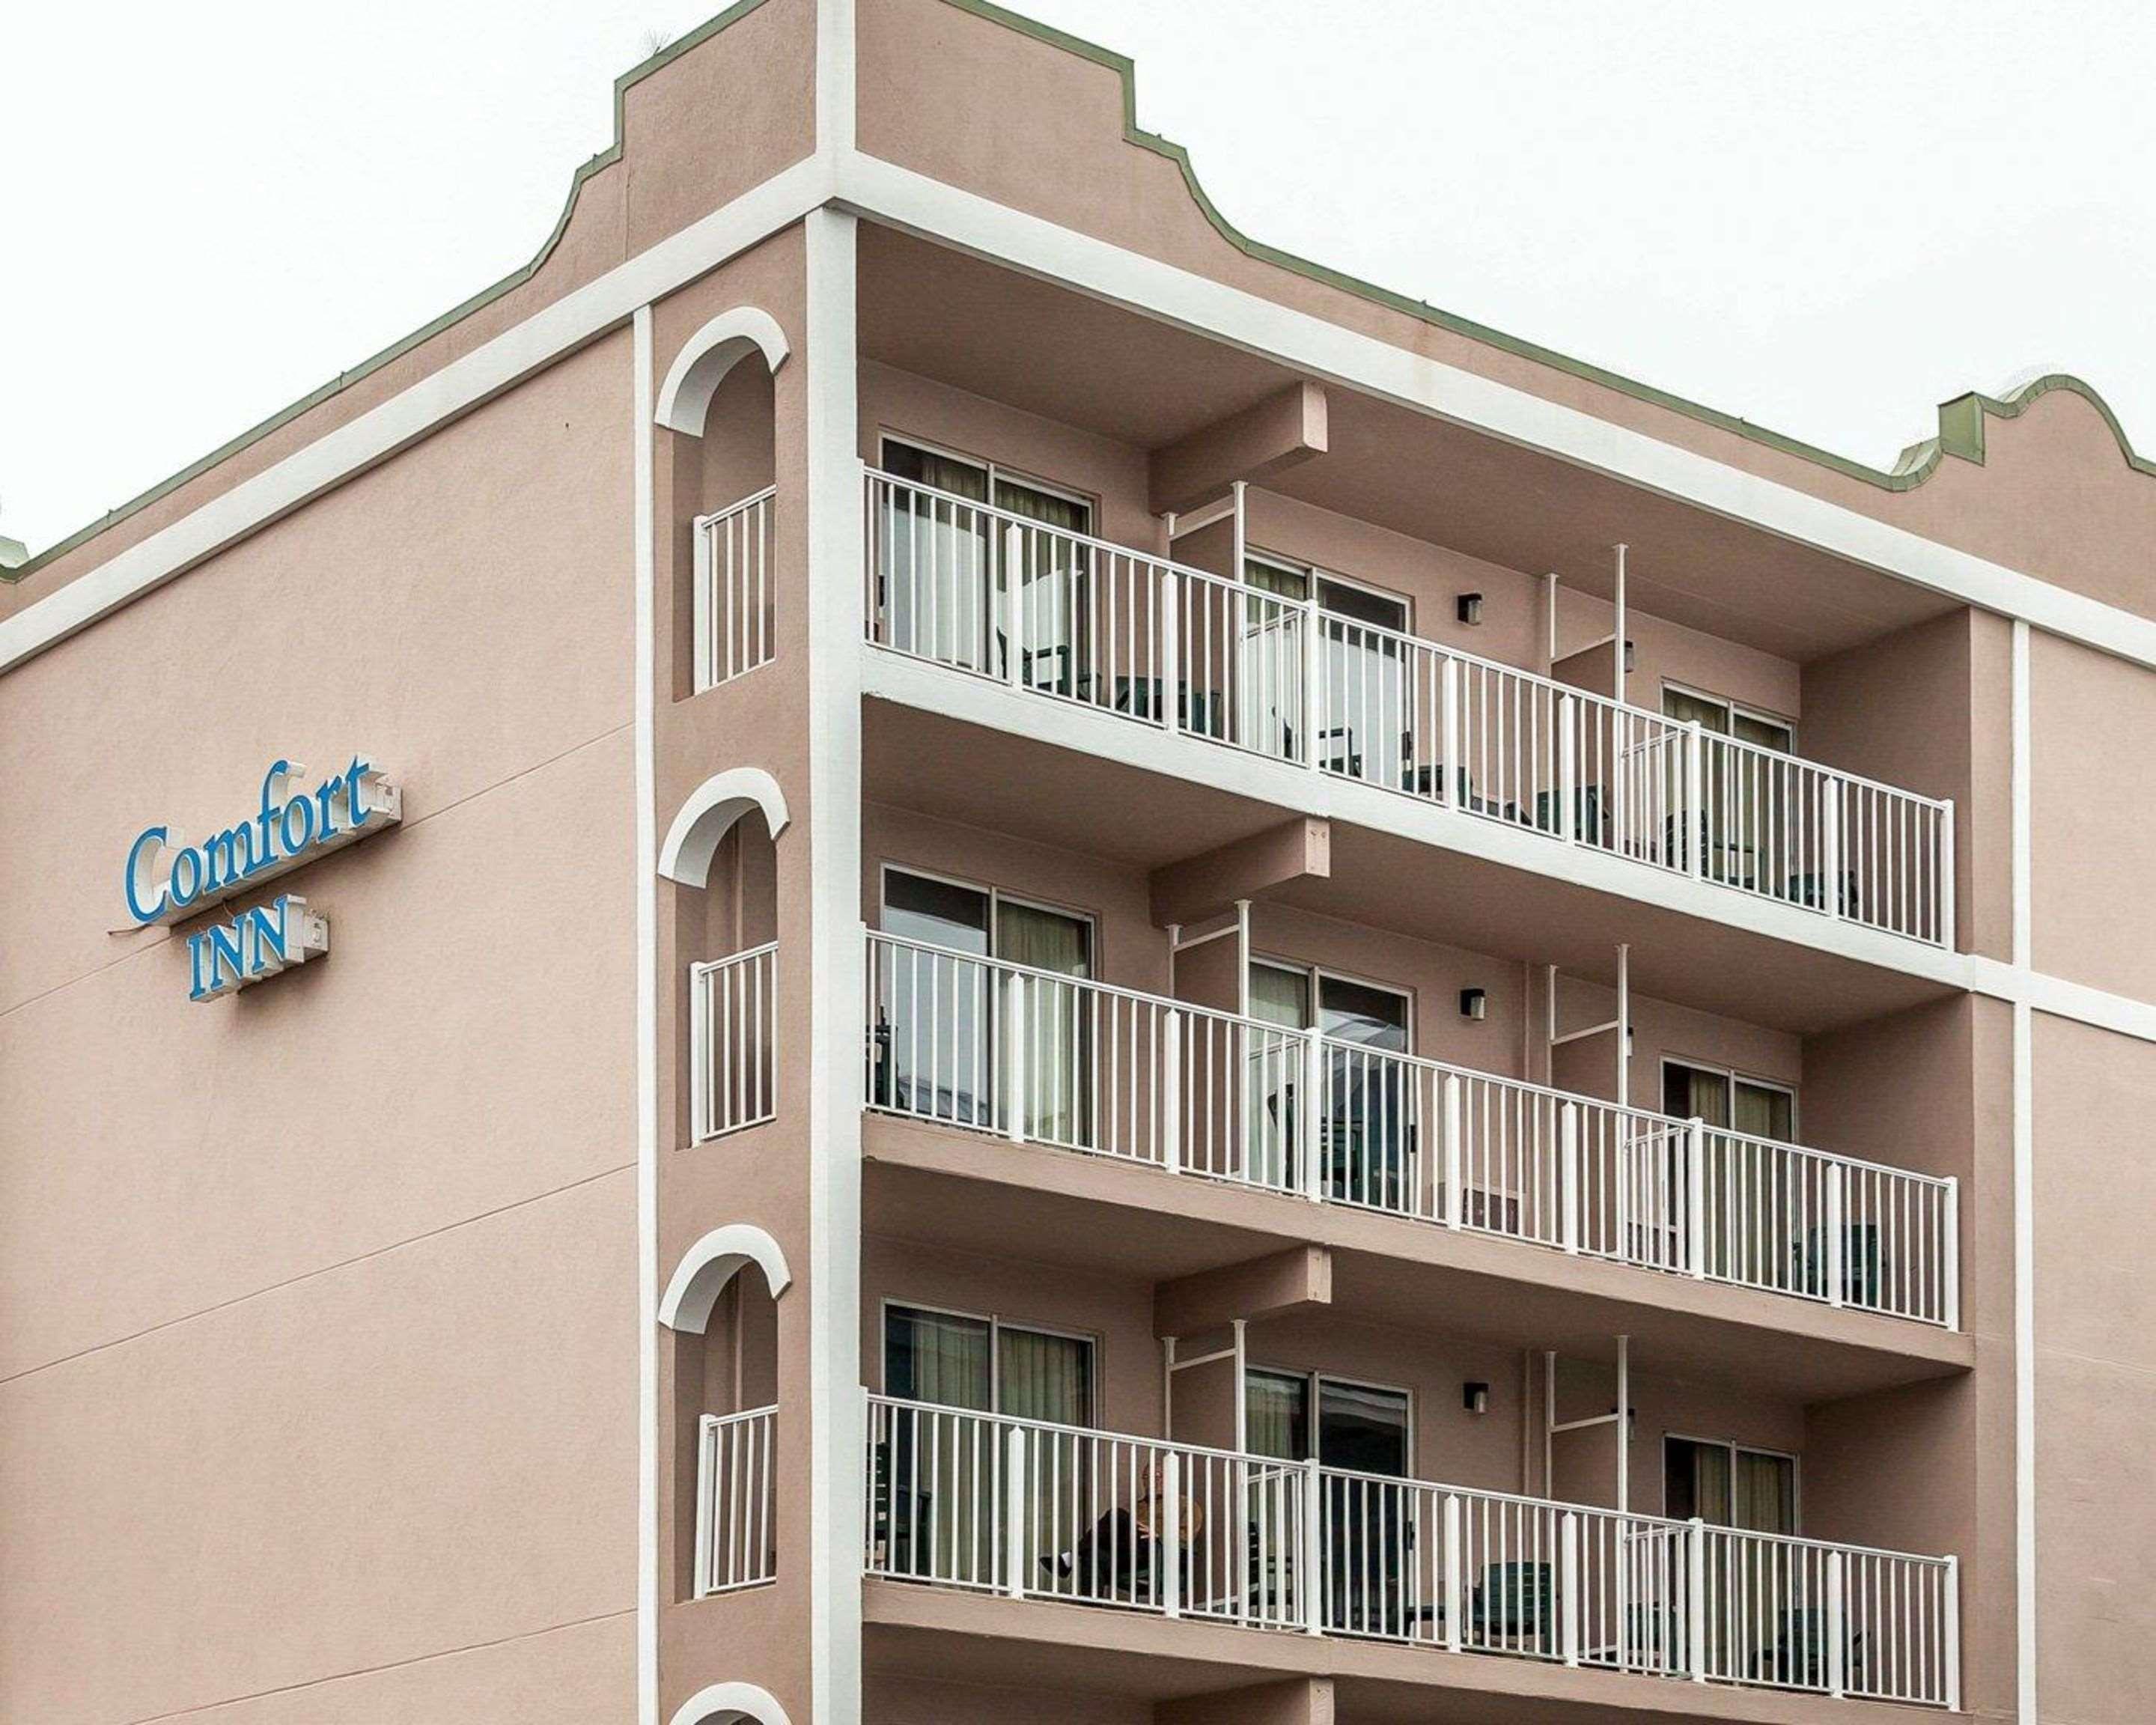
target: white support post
1452 773
1624 1425
1549 609
1696 1599
1567 1139
699 607
1693 822
1625 1025
1837 1626
1240 1359
1950 1647
1949 935
1617 642
1171 1534
1568 770
706 1462
1696 1197
1313 698
1455 1597
1837 1183
1170 668
1014 1508
1950 1256
1568 1585
1015 1060
1312 1113
1829 827
1171 1090
1242 958
1448 1130
1311 1581
1014 607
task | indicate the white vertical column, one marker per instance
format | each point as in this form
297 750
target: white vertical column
838 1443
1624 1026
1617 645
2021 768
644 466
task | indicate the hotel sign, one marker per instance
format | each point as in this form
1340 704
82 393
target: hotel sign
168 880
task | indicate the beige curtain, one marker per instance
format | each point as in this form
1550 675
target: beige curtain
1045 1377
1275 1415
1058 1082
1766 1493
1273 1073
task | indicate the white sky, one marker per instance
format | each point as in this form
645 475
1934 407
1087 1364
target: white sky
1827 217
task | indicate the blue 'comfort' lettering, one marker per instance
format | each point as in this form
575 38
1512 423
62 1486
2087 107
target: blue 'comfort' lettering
284 829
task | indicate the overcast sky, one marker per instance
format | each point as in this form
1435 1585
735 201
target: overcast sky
1824 217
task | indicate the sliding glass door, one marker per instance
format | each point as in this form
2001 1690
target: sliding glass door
953 572
943 1045
1367 1127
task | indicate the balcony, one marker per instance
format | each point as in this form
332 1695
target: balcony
732 616
997 595
733 1030
1032 1055
1028 1509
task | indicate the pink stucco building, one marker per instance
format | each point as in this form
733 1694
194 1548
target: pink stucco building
918 943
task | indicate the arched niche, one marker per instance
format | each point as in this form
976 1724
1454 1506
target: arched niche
722 1308
717 410
729 1704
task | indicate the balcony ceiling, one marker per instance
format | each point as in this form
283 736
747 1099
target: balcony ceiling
1029 788
1055 352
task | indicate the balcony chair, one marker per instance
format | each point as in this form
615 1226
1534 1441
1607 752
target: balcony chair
1862 1279
1200 710
1811 889
900 1517
1799 1655
1512 1603
1587 823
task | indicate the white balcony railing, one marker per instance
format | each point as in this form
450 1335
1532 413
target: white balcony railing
733 620
1079 619
737 1501
1030 1054
733 1041
1033 1510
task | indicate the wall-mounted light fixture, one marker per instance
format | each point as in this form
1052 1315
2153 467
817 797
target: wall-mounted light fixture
1474 1004
1474 1398
1470 608
1630 653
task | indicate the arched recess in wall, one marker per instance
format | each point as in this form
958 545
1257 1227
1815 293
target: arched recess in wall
721 853
729 1703
721 1307
720 529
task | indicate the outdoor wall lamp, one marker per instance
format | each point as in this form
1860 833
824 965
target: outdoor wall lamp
1470 608
1474 1004
1474 1398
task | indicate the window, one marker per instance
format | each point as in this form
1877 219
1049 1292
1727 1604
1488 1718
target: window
1341 596
943 1015
1368 1130
1725 718
1727 1484
1363 1428
1364 732
944 582
1751 1106
987 1365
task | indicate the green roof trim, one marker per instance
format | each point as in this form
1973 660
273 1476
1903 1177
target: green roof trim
1961 420
1961 431
395 350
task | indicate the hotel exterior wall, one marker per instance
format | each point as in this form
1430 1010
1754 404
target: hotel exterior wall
319 1300
2096 1375
2094 849
2053 494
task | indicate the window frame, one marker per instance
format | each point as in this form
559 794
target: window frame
996 897
1736 709
995 470
998 1324
1793 1457
1736 1076
1315 574
1314 1382
1316 976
